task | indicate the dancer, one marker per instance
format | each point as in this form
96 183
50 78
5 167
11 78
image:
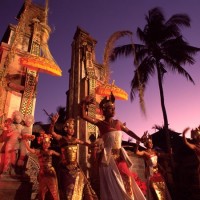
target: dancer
47 176
157 188
95 156
73 183
195 134
116 180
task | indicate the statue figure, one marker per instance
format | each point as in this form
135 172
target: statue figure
27 129
11 136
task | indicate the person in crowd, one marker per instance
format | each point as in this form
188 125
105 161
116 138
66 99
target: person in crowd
116 180
95 155
157 187
73 182
47 177
195 146
195 134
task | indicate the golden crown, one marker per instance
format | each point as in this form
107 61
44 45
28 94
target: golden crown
44 138
195 133
69 122
145 138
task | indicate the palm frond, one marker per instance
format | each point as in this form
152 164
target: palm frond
175 67
124 50
179 20
180 50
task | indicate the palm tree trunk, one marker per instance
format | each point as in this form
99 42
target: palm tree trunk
170 174
163 107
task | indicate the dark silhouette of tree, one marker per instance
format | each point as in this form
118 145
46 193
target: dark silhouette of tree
162 49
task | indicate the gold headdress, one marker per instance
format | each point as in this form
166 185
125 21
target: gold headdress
44 138
105 102
195 133
146 138
69 123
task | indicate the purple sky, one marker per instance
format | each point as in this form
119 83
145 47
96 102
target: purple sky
101 18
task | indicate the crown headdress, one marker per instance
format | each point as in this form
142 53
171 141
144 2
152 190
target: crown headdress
145 138
44 138
195 133
69 122
107 101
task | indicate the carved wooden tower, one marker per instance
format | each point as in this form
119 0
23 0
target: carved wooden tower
24 53
84 76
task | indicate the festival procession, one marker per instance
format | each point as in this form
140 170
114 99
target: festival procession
80 154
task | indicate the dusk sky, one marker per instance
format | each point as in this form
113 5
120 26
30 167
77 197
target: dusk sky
101 18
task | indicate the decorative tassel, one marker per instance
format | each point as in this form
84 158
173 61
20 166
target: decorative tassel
108 49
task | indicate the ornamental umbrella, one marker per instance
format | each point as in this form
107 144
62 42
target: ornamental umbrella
41 64
106 89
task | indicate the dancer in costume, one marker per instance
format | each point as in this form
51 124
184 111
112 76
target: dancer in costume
116 180
74 185
195 135
47 177
157 188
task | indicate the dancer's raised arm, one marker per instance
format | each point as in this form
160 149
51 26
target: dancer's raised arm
190 145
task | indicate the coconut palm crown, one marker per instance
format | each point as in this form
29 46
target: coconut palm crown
163 48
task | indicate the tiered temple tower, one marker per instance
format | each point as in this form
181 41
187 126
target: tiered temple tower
84 76
24 53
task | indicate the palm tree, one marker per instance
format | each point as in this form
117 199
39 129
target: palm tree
163 48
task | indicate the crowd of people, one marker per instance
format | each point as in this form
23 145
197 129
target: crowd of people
111 174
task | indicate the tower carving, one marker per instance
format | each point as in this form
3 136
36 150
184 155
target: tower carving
84 76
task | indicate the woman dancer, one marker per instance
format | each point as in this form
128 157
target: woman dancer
116 180
195 146
74 185
157 188
47 177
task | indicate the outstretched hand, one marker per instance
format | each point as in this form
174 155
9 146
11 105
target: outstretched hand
55 118
185 130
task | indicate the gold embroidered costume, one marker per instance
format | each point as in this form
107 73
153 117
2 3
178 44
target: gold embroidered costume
74 184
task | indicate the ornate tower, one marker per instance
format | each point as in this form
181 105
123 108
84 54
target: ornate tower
84 76
24 53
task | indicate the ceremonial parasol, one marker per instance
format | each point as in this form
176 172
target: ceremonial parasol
41 64
106 89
